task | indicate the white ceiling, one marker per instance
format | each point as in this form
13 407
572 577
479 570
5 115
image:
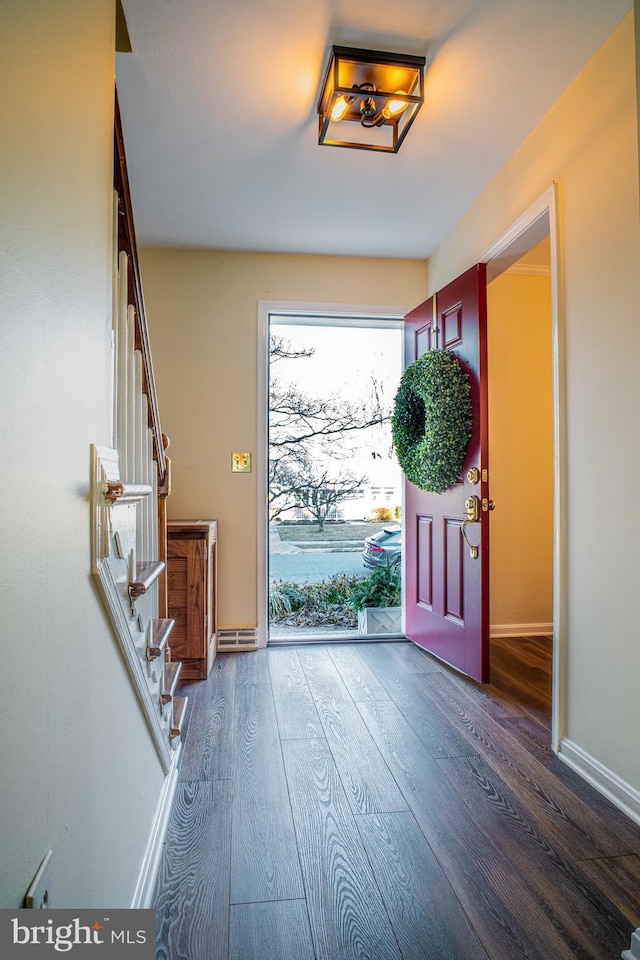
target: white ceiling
219 100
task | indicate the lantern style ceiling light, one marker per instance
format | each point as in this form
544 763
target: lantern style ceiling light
369 99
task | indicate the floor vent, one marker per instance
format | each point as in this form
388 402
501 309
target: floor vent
237 639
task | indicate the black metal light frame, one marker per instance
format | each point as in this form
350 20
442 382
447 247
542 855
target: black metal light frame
369 80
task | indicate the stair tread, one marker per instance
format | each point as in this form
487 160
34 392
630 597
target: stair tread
179 711
162 627
147 572
119 492
170 680
159 637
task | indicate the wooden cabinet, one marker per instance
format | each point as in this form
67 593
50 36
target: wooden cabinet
191 594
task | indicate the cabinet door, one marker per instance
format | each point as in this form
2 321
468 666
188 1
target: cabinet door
186 598
196 599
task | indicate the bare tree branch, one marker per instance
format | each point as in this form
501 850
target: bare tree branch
311 485
280 349
309 439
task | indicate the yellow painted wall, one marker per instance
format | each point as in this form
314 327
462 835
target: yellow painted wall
588 144
80 773
203 309
521 449
636 10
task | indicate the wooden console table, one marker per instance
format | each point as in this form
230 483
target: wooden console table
191 594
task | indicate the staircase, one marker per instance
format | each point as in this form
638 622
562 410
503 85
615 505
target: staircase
130 587
130 482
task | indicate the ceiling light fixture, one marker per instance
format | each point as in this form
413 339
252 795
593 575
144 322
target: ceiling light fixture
380 92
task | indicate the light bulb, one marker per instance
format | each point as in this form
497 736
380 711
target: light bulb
340 108
393 108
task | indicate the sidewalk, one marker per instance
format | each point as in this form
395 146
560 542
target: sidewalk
324 546
276 545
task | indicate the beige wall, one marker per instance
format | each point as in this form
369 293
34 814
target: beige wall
521 449
588 143
203 309
80 775
636 10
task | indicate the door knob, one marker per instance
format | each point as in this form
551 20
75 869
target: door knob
472 510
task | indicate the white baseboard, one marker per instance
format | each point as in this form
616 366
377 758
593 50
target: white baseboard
521 630
622 794
142 898
634 952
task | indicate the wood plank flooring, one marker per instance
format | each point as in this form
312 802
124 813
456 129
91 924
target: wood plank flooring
366 802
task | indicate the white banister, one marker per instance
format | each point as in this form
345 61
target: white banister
131 392
135 445
155 551
121 359
115 293
130 482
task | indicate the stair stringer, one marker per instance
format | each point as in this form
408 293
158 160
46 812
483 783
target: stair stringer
113 548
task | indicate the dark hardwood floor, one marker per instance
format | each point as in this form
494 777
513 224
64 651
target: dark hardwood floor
365 801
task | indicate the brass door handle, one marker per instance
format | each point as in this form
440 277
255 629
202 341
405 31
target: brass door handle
473 510
473 550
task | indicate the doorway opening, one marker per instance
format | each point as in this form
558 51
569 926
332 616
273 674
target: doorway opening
334 488
526 461
521 452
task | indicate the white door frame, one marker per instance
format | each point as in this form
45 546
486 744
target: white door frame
288 308
542 218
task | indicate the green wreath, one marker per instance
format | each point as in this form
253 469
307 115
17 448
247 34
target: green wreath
432 420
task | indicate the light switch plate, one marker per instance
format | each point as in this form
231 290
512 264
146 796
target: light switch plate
241 462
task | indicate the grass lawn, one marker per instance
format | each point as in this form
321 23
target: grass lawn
350 530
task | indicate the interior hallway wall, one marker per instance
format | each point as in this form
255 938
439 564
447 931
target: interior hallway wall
80 774
636 11
588 145
203 309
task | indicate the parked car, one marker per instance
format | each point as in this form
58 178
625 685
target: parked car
383 547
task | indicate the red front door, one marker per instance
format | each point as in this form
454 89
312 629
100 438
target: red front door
446 588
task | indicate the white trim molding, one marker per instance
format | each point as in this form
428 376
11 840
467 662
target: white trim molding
113 561
633 953
540 220
297 311
530 270
620 793
143 895
520 630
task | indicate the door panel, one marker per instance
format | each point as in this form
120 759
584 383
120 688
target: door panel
454 572
424 578
446 590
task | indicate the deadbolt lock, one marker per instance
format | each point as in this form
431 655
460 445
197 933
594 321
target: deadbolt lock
472 509
473 475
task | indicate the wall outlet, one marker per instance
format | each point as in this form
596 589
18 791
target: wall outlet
39 894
